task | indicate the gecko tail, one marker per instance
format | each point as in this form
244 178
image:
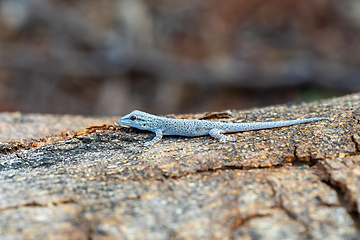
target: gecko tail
307 120
266 125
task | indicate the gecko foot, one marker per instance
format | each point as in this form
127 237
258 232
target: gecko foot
226 138
148 144
216 133
157 138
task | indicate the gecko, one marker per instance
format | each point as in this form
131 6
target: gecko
193 128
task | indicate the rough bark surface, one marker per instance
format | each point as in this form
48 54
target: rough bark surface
297 182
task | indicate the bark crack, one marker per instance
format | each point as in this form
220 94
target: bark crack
280 205
38 204
222 168
239 221
357 147
346 200
344 195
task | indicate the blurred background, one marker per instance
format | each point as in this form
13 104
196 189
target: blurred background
109 57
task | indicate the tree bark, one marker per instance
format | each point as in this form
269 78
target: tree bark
293 182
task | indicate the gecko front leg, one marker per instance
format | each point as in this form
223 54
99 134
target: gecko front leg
158 136
217 133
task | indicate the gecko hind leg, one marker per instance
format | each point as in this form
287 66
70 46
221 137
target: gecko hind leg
157 138
217 133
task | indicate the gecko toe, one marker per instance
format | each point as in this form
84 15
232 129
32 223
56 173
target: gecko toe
225 139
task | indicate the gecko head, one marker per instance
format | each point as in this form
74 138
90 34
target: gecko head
138 119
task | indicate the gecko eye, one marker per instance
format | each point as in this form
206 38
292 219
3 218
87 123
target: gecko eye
133 118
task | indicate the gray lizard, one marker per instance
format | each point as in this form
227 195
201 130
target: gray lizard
194 128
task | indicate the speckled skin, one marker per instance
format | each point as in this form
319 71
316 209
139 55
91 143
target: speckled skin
194 128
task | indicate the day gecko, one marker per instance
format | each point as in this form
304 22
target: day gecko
194 128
